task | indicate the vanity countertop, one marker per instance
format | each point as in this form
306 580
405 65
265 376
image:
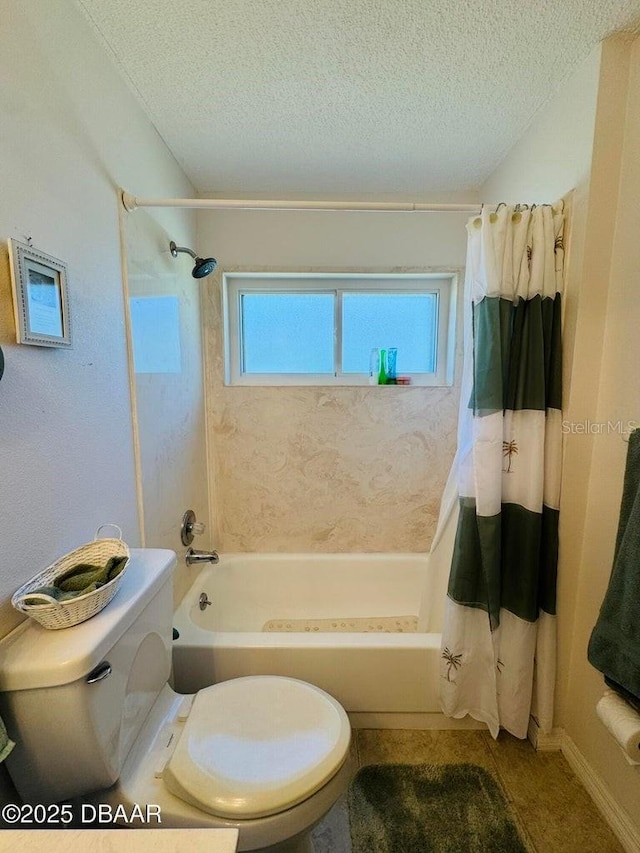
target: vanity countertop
112 840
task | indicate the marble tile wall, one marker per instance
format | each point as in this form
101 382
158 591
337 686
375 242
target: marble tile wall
326 469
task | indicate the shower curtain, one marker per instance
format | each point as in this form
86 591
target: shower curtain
499 629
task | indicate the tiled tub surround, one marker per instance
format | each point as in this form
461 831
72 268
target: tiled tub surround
368 671
325 468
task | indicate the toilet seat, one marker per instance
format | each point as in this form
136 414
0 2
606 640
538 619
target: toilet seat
258 745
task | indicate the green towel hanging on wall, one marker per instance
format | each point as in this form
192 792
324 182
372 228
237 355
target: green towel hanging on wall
614 647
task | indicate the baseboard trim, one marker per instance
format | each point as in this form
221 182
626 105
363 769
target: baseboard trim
544 741
557 739
628 835
393 720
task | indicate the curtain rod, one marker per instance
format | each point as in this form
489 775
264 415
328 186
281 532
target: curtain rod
132 203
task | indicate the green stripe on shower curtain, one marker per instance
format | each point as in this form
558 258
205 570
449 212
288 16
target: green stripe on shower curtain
526 371
509 560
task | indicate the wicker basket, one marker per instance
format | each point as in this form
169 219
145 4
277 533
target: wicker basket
53 614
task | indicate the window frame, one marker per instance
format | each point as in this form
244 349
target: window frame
236 283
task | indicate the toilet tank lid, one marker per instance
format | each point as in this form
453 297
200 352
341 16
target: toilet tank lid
32 656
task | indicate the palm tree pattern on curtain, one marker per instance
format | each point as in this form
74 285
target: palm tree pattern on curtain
500 611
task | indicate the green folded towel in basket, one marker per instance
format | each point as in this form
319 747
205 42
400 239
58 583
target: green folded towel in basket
80 580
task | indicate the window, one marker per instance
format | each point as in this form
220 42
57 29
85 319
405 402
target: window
319 329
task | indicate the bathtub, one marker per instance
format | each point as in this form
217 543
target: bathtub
393 672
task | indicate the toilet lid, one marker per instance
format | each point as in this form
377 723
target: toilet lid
255 746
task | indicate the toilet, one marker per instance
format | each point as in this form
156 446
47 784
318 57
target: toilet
96 722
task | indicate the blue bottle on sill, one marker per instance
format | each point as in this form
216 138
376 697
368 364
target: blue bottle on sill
392 357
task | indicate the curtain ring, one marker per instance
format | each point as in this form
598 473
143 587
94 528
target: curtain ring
493 217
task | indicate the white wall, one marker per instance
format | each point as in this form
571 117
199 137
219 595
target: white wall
618 399
586 139
71 134
554 155
330 239
169 398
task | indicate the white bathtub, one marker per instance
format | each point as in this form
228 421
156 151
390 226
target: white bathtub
369 673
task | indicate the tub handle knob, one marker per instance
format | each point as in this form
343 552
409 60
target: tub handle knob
203 601
190 527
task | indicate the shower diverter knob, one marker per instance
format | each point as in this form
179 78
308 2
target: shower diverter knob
190 527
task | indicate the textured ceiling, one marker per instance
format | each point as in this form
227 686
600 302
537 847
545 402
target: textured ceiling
347 96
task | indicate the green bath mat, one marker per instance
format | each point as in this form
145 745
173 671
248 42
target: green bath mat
430 808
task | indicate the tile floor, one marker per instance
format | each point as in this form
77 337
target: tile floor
554 812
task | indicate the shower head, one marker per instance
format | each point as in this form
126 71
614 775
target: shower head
202 266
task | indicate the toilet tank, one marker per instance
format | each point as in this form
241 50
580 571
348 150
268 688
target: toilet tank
75 699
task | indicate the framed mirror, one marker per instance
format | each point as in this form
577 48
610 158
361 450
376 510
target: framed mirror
40 297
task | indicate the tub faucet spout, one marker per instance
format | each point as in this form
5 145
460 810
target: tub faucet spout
194 557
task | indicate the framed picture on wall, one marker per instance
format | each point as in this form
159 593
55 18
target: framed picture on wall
40 297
